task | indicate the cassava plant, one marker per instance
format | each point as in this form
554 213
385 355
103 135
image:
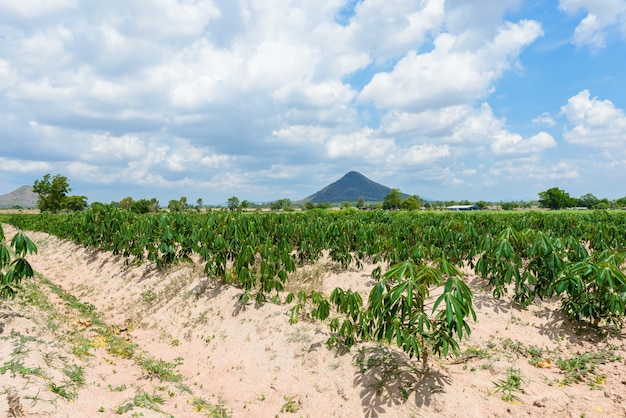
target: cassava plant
401 310
13 270
595 288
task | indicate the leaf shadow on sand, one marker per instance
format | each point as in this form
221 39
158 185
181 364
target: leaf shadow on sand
559 327
388 378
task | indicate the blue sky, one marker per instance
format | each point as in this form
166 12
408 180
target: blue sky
453 100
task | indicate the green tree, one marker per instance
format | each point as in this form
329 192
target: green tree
52 192
126 203
393 200
284 204
555 198
233 203
346 205
412 203
360 202
245 204
621 202
177 205
75 203
199 203
508 205
587 201
482 204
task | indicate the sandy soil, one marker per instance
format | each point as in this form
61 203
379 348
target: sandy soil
250 362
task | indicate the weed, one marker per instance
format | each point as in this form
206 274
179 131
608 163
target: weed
145 400
65 391
582 368
118 346
290 405
76 374
209 409
17 367
160 369
512 383
149 297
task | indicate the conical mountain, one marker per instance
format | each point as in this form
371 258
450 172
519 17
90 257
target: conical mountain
23 197
349 188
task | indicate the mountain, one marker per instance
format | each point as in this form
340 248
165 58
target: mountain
23 197
349 188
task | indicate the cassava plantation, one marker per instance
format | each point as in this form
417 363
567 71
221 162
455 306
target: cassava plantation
510 314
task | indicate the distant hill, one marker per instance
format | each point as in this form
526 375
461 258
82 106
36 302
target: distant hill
23 197
349 188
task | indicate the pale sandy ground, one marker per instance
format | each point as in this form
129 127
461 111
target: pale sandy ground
252 361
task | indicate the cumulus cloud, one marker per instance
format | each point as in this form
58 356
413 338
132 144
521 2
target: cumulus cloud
533 168
601 17
22 166
594 122
463 126
366 145
448 74
545 118
507 143
217 95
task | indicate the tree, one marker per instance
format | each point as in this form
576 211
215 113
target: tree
482 204
126 203
621 202
284 204
244 204
360 202
508 205
412 203
393 200
346 205
587 201
199 203
52 192
233 203
75 203
177 205
555 198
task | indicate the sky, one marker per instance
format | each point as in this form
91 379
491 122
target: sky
448 99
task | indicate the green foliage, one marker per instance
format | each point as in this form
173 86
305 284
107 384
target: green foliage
393 200
397 310
583 367
14 269
412 203
512 383
509 205
233 203
75 203
52 192
555 198
523 251
595 288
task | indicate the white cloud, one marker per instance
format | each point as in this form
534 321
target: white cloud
465 129
448 74
507 143
544 118
533 168
125 147
365 145
22 166
594 122
35 8
601 17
